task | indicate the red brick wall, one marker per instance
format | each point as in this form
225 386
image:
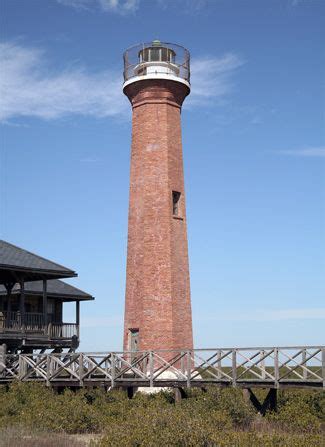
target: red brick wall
157 284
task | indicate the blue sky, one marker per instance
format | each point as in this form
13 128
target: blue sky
254 154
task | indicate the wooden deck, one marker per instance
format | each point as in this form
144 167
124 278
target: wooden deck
267 367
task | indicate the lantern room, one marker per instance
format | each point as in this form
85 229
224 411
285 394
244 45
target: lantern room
157 53
156 60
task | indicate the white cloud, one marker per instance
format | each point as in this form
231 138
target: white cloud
29 89
211 77
188 6
118 6
298 2
318 152
131 6
77 4
273 315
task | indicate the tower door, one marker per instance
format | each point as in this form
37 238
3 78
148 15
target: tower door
134 339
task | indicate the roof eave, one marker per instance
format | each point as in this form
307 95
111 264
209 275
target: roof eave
54 273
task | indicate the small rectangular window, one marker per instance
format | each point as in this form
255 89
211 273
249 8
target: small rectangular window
176 203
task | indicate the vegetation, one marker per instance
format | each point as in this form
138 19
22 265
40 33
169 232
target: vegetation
215 418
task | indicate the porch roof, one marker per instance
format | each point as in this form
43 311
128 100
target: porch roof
55 289
17 264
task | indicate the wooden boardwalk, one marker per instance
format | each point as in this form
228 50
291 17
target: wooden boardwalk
267 367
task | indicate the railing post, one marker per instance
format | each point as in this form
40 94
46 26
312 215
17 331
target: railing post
189 367
182 362
323 366
112 369
3 354
262 354
81 368
151 368
219 375
303 363
53 364
21 367
48 370
276 368
234 367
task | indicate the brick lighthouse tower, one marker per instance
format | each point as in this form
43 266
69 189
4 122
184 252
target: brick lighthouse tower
157 303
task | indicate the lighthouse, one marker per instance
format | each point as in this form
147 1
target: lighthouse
157 301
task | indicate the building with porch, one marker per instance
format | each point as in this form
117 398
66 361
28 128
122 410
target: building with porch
32 296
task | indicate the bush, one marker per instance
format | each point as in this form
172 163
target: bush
200 438
299 411
217 417
35 406
228 400
165 427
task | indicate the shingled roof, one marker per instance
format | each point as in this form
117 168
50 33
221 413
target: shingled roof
55 289
15 262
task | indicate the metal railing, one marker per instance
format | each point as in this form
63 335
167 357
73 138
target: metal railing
269 367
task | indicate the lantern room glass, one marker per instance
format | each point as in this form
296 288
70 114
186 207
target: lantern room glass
160 54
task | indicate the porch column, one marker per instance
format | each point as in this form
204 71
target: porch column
9 288
78 316
22 303
45 302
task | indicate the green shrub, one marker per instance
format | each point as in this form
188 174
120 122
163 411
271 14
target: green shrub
296 418
165 426
301 411
201 438
35 406
215 418
228 400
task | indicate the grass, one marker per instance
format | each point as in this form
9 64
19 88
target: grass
22 437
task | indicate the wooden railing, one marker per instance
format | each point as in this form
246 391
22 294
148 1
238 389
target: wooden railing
34 322
13 323
10 321
63 330
268 367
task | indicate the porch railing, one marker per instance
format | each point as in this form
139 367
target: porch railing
34 323
13 321
63 330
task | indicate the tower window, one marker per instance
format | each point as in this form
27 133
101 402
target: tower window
176 203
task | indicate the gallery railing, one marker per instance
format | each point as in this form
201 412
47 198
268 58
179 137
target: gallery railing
270 367
164 54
